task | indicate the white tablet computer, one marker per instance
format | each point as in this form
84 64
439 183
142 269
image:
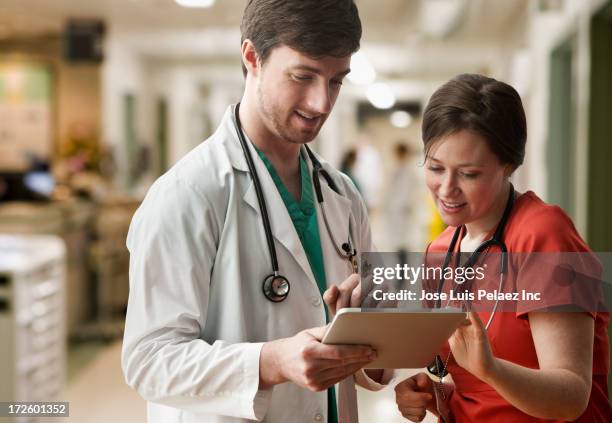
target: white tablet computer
402 339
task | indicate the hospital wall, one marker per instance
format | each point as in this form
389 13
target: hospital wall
545 34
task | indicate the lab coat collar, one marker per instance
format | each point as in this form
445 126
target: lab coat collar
231 142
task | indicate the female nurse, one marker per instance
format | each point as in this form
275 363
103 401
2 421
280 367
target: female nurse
528 366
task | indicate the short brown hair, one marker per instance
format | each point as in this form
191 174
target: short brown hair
316 28
488 107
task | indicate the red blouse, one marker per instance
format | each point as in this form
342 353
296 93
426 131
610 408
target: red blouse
533 226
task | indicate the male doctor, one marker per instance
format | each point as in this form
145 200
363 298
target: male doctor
202 342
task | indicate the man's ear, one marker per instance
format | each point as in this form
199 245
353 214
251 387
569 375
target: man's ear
250 57
509 170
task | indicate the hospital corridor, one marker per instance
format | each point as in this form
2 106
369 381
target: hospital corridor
146 210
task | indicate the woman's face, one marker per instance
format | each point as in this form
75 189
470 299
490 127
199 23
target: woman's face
465 177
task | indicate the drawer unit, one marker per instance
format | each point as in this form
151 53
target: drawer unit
32 318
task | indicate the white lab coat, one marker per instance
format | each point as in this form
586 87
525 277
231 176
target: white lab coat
197 317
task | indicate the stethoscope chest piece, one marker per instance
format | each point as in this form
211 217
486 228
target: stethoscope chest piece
276 288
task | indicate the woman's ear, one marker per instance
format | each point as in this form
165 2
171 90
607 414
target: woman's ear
509 170
250 57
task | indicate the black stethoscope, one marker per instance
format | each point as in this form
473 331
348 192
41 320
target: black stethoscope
437 367
495 241
276 286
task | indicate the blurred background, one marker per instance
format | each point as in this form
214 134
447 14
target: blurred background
97 99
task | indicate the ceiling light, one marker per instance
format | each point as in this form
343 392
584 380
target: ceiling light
380 95
400 119
362 72
195 3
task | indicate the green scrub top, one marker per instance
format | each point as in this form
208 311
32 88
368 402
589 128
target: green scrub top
304 217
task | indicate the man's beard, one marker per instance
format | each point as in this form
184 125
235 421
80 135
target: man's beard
273 116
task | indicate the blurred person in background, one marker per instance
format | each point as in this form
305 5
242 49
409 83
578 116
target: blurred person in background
531 365
368 171
401 204
212 335
347 165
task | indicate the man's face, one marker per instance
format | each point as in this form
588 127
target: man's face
296 93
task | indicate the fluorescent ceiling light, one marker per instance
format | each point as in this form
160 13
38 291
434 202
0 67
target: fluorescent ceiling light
380 95
195 3
362 72
400 119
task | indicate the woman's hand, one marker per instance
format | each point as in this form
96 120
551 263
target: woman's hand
560 388
414 396
471 349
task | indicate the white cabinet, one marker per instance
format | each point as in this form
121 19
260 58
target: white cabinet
71 220
32 317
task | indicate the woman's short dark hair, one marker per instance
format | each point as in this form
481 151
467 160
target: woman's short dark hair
488 107
316 28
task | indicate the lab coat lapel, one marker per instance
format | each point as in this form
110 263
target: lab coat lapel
338 210
280 221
